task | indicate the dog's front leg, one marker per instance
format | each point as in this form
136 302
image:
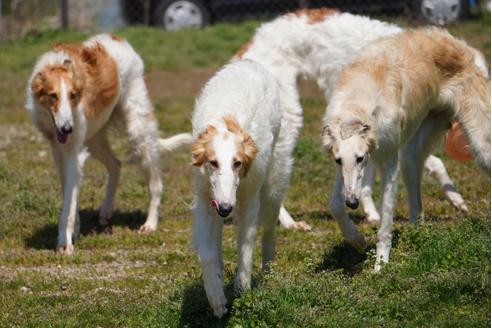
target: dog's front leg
385 233
337 208
247 223
367 201
207 239
67 227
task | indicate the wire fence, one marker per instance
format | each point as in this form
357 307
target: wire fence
20 17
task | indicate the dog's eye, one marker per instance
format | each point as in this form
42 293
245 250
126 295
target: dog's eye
237 164
338 161
360 159
53 97
214 164
73 95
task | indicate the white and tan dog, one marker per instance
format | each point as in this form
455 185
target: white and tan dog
316 44
240 158
75 92
401 94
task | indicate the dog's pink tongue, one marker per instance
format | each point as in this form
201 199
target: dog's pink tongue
62 138
214 203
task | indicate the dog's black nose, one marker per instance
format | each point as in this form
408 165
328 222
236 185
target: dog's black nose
352 203
224 209
66 128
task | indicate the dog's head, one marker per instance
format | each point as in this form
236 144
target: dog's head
226 155
59 92
350 142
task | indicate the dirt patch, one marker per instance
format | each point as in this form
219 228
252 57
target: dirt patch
164 85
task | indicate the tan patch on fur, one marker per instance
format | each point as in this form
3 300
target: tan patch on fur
316 15
244 48
47 83
201 150
116 37
97 72
247 146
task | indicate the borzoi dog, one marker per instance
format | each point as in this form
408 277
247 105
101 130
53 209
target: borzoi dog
240 159
75 92
317 44
401 93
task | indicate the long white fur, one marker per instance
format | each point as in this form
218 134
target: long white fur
291 46
248 93
133 106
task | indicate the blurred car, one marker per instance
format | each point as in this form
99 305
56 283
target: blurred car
178 14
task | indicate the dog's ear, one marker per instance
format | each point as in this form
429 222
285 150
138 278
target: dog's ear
37 84
326 138
354 126
249 153
199 147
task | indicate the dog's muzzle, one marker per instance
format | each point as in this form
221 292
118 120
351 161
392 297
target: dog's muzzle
353 203
224 210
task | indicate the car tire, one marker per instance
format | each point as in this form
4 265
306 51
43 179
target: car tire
177 14
442 12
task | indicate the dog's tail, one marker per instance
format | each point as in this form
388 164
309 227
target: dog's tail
175 142
473 112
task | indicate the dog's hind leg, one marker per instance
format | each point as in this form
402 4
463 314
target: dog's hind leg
269 210
435 168
291 127
367 201
271 196
101 150
57 154
413 156
289 223
385 233
337 208
143 134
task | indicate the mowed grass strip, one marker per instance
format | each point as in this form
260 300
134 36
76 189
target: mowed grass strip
439 273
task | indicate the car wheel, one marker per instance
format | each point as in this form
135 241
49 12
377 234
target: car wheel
443 12
177 14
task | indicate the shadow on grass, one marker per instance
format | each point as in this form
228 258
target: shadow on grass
344 257
325 216
195 310
46 237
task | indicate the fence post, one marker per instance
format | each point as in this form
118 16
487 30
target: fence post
146 13
64 14
303 4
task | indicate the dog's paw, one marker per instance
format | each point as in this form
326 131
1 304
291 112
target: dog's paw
216 298
377 266
146 229
457 201
462 207
358 242
65 249
219 311
301 225
373 218
105 214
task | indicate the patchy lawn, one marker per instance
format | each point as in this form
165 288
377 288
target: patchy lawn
439 274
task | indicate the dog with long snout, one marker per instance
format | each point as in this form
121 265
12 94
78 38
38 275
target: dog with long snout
76 93
390 106
241 171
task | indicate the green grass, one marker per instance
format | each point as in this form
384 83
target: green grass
439 274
